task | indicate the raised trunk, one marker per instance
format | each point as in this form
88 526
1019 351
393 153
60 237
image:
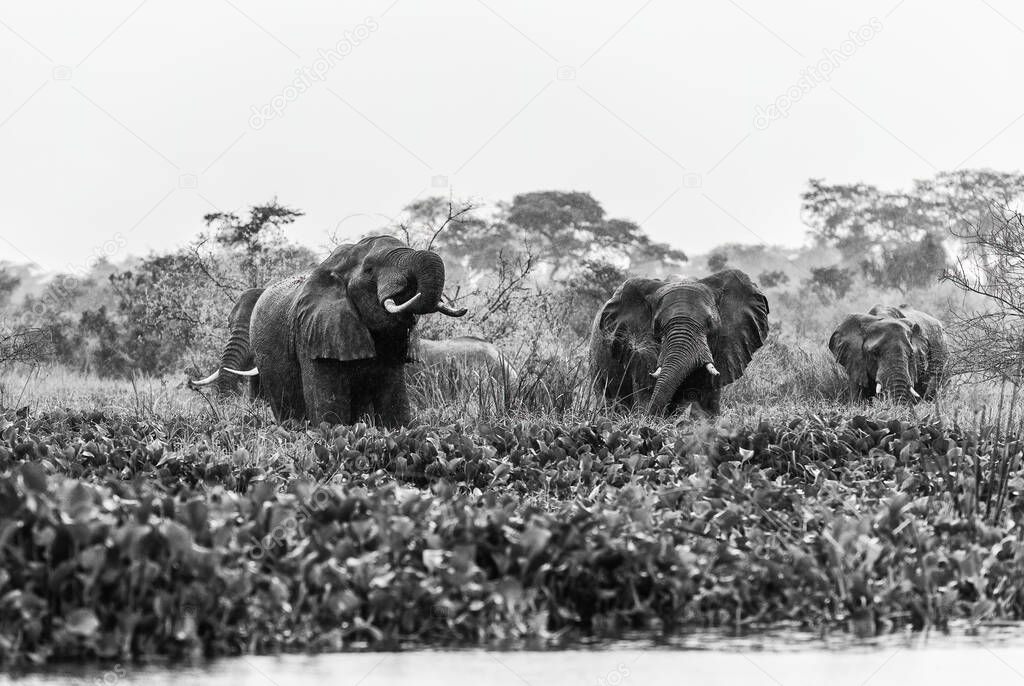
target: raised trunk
684 349
423 271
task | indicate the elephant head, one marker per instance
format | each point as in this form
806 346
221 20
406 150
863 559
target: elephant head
358 303
691 337
882 354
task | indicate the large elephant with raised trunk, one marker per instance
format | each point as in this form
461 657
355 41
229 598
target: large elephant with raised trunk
330 344
665 344
899 352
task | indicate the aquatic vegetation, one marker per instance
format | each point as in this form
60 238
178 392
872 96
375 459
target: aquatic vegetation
123 537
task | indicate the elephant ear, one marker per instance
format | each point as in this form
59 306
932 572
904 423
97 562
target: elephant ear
847 346
628 312
743 311
329 326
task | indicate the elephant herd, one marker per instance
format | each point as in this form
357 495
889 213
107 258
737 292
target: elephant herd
330 345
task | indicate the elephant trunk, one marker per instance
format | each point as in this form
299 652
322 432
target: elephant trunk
419 280
894 380
684 348
236 355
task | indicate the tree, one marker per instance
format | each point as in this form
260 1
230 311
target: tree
905 266
560 227
455 230
771 279
8 283
587 289
897 239
858 219
989 341
555 228
717 261
830 283
259 241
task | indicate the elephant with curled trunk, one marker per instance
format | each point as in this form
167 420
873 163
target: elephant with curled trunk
895 351
665 344
237 354
330 344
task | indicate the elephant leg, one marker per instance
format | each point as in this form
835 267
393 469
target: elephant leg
362 397
327 392
391 398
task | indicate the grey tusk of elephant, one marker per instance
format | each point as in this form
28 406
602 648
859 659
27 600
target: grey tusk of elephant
196 383
698 335
248 372
451 311
898 351
391 307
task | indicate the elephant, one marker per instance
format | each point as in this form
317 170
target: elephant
665 344
237 354
898 351
469 353
330 344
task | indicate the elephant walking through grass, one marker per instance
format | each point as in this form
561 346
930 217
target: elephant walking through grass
330 344
898 352
665 344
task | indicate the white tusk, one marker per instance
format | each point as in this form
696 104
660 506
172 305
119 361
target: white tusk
251 372
207 381
878 389
451 311
656 373
915 394
391 307
710 366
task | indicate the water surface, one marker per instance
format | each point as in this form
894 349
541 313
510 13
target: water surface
935 662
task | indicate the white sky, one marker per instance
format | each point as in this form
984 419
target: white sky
96 158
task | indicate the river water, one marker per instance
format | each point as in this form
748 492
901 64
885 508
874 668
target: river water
935 662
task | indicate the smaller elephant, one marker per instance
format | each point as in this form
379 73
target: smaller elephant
665 344
896 351
465 353
237 354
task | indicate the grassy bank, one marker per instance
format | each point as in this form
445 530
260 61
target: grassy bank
148 521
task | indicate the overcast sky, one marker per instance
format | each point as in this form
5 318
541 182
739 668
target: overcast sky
122 123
